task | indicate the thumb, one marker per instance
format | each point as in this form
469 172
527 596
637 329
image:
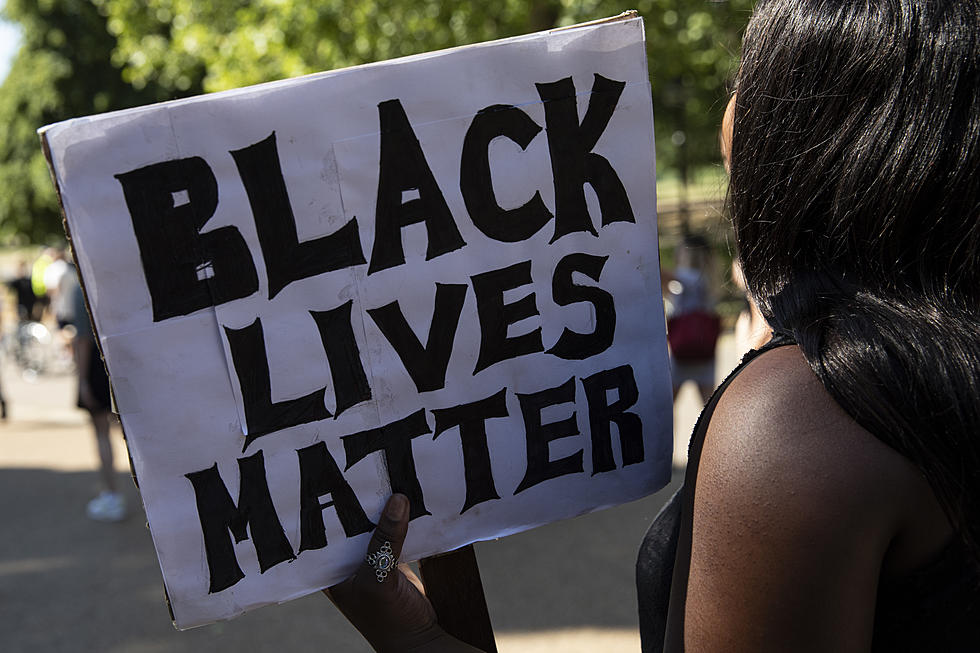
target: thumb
381 601
386 543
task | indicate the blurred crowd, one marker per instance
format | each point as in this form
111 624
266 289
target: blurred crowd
53 332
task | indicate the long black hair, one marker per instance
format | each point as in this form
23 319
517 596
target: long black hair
855 198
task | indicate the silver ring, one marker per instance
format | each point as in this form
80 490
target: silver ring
382 562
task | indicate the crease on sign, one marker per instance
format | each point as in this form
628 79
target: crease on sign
236 390
230 368
125 399
212 310
599 33
382 465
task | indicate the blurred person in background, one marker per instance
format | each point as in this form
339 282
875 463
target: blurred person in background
693 325
38 269
21 286
93 396
54 273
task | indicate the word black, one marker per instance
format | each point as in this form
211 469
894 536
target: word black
186 269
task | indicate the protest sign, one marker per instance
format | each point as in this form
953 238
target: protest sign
436 275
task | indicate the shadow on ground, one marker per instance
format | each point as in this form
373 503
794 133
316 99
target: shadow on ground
69 584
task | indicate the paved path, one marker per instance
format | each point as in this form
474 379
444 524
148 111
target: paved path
69 584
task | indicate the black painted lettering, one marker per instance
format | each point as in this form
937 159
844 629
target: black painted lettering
318 476
262 416
572 160
495 315
540 466
350 384
219 515
579 346
287 259
404 168
475 181
472 419
395 441
426 365
186 270
602 414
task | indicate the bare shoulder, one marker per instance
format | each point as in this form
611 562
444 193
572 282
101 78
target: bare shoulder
777 427
796 510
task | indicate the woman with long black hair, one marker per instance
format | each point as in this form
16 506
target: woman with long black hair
832 499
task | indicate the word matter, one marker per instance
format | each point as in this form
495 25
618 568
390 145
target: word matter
320 475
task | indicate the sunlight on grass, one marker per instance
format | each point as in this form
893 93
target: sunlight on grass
707 184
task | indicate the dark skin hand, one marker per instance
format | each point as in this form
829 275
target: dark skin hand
393 615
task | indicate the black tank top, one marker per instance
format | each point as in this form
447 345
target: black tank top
935 608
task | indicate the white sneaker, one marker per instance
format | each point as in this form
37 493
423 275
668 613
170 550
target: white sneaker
108 506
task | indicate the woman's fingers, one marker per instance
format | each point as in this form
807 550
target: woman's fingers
412 578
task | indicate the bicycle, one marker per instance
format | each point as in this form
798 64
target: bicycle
34 350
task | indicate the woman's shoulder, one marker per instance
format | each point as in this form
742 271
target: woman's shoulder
777 430
795 497
778 426
779 450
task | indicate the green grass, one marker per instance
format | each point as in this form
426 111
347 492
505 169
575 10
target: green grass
707 184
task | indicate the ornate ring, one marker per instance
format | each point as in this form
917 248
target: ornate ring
382 562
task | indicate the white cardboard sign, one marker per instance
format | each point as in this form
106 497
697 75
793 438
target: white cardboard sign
436 275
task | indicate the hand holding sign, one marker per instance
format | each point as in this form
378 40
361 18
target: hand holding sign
393 614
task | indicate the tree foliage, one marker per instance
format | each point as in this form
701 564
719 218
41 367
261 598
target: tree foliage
76 60
62 70
229 43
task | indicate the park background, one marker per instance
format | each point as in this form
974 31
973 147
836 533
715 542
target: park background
68 584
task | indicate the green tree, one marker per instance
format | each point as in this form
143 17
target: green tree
692 50
224 44
62 70
80 57
230 43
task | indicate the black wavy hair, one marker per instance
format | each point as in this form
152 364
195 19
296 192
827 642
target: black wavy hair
855 199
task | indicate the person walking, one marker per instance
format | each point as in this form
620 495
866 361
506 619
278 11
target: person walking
93 396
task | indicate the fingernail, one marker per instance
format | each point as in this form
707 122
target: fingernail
397 507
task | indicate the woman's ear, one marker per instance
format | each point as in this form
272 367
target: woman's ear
725 135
